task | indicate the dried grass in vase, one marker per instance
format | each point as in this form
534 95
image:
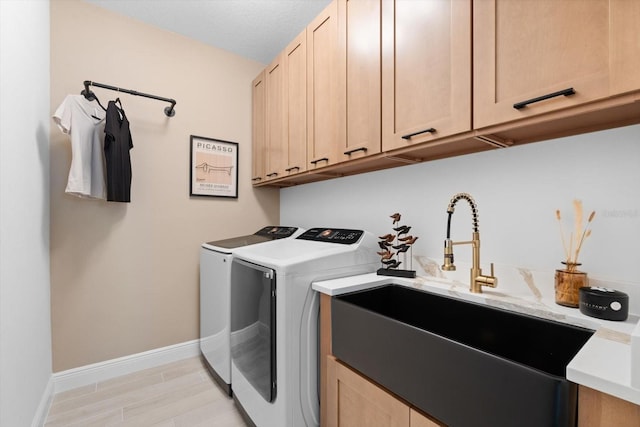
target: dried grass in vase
576 237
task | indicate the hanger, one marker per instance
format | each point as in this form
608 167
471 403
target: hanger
92 96
119 109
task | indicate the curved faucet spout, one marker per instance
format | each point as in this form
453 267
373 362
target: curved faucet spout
451 208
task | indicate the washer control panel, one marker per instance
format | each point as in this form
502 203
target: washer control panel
343 236
276 232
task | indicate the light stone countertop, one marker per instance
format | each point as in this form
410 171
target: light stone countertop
609 362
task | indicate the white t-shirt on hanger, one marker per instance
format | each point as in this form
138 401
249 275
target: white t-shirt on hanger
84 120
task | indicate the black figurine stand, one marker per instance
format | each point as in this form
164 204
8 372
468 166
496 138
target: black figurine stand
396 272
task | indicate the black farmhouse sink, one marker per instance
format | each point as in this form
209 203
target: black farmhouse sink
465 364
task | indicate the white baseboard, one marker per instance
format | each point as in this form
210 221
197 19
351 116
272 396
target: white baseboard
43 408
89 374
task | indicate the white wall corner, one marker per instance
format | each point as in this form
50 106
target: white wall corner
45 403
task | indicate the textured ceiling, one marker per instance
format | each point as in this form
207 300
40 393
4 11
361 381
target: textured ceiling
254 29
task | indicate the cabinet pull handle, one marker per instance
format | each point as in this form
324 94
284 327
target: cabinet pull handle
430 130
256 179
565 92
350 152
323 159
292 168
272 174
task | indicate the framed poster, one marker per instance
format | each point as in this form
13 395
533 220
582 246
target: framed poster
214 167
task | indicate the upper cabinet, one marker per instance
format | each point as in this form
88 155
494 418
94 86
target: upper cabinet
426 70
280 114
258 125
296 105
276 140
360 76
534 57
625 46
373 84
325 105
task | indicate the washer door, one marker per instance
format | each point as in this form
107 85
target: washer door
253 325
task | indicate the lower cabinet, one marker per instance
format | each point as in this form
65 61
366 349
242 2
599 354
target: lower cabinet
354 401
596 409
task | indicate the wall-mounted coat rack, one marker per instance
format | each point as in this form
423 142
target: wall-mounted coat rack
169 111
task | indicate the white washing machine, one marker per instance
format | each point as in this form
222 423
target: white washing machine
215 274
274 320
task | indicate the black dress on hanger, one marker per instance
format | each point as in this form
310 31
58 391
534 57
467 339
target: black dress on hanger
117 143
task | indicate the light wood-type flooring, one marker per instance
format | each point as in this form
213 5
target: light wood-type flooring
179 394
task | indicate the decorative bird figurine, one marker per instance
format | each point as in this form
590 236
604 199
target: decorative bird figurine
385 254
402 248
383 245
403 229
409 240
396 217
391 263
388 237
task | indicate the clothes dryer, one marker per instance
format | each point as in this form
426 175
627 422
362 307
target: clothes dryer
274 320
215 273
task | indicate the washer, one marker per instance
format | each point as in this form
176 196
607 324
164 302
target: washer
215 273
274 320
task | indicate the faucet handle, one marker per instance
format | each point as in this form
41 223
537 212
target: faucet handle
491 281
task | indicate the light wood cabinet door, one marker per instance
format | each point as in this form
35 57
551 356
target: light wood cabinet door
325 104
296 104
596 409
276 141
360 54
625 46
426 70
258 127
325 350
419 420
535 52
353 401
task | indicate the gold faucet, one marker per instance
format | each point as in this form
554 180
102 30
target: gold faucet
478 280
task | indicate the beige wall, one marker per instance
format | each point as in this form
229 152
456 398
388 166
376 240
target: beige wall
124 277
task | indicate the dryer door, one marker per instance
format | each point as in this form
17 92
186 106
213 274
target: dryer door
253 325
